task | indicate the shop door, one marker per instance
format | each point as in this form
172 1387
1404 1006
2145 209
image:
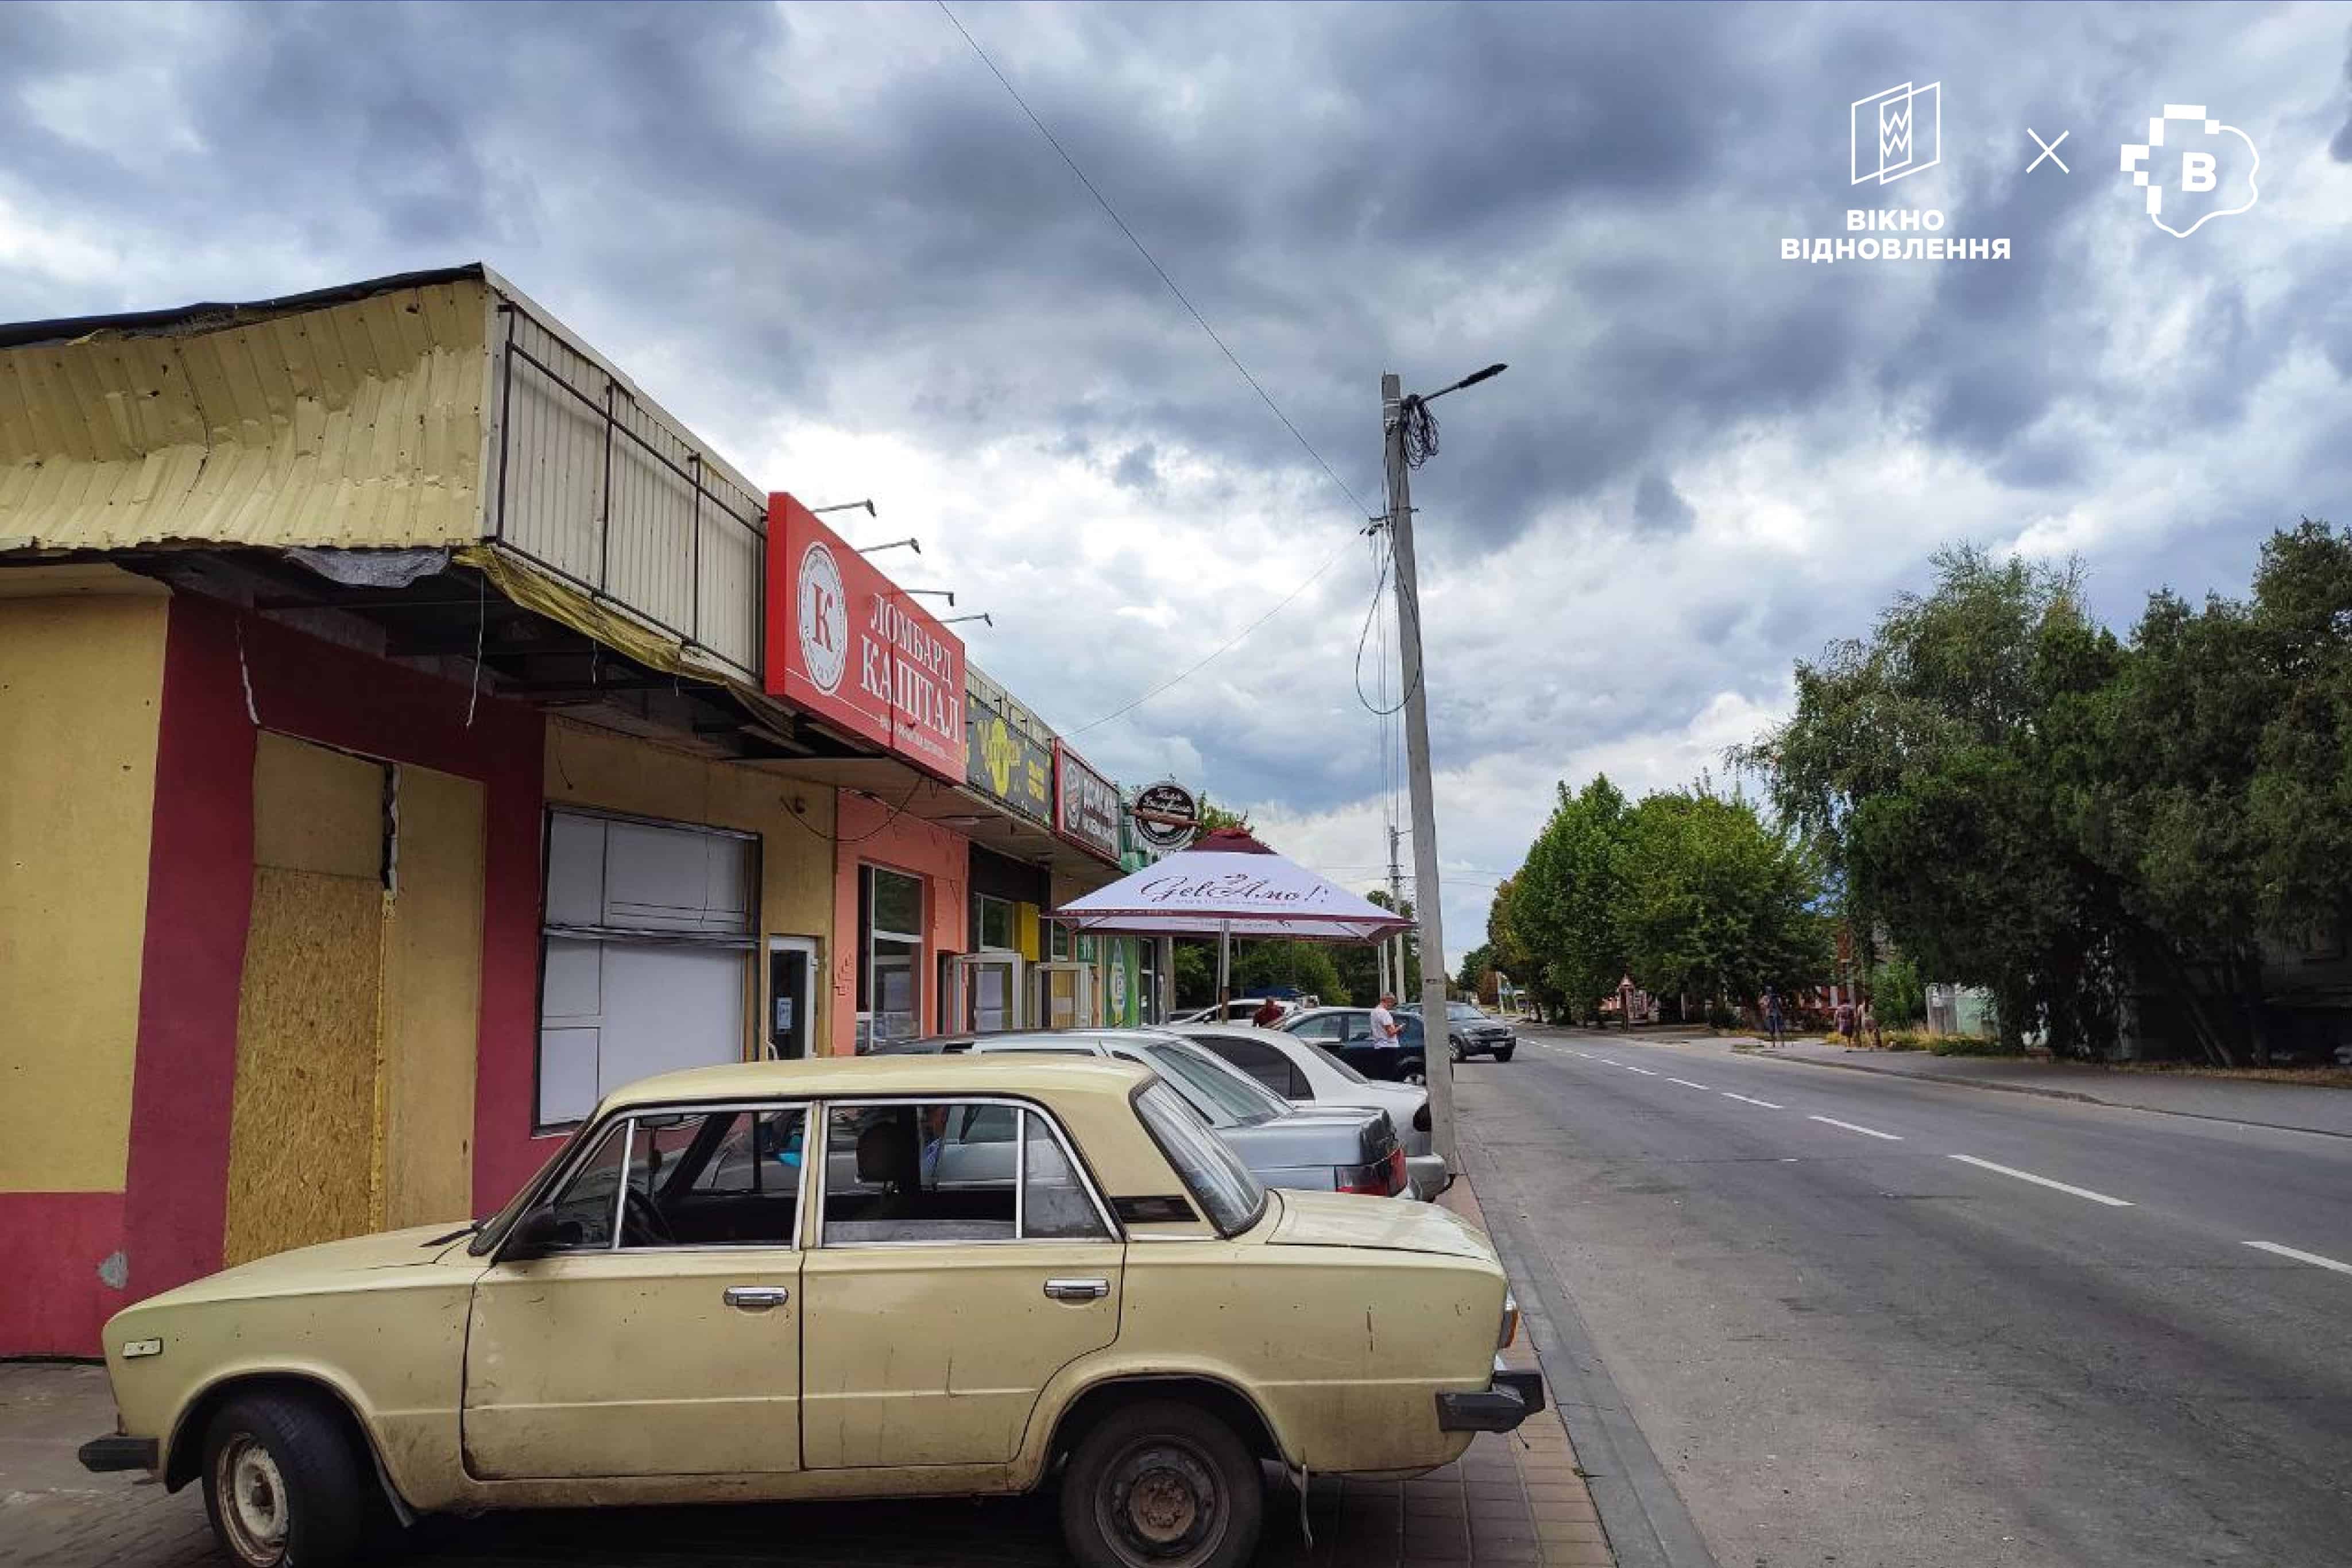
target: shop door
792 997
1062 996
983 992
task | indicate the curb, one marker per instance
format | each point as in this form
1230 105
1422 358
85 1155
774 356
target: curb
1764 1054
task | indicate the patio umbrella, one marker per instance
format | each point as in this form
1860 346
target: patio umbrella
1226 886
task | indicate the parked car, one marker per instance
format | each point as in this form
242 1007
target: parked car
1239 1009
1469 1032
672 1311
1339 1148
1347 1033
1305 1074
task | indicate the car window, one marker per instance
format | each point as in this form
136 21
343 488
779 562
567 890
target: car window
946 1171
1260 1060
1321 1027
583 1210
1054 1204
1240 1099
1224 1188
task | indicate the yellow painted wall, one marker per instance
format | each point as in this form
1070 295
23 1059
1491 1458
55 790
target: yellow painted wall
598 769
80 692
304 1123
432 999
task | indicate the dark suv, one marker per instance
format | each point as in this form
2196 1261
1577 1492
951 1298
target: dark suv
1347 1033
1469 1032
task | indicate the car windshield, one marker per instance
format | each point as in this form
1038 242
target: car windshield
1212 1172
1227 1098
1462 1010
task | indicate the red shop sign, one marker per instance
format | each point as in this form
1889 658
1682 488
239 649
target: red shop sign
846 645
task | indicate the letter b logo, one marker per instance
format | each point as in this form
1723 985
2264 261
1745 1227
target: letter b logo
2197 171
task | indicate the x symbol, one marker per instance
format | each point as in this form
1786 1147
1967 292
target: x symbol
2048 151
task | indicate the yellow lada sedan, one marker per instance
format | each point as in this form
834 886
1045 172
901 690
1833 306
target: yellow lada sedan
864 1277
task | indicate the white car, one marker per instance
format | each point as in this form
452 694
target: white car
1305 1074
1240 1009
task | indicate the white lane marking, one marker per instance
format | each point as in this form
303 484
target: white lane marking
1865 1132
1727 1095
2312 1257
1586 1054
2045 1181
1631 1068
1686 1083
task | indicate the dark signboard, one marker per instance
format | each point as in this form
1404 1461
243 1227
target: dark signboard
1004 763
1085 805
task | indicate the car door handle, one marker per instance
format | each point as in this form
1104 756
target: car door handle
756 1298
1077 1290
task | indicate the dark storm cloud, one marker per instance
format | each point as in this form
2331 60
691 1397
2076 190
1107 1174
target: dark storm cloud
839 218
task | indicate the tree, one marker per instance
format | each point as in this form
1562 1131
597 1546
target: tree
1360 963
2024 802
1717 904
1566 908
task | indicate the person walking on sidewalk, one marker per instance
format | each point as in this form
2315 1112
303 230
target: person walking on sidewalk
1772 1013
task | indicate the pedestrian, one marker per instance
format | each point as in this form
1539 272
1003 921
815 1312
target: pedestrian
1844 1017
1866 1023
1269 1014
1386 1031
1772 1013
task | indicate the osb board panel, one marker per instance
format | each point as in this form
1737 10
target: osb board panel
432 999
317 809
357 423
303 1115
81 695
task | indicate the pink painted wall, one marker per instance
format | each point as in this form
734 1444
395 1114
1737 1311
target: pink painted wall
871 835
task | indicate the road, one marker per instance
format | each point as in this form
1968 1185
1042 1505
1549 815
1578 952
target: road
1872 1323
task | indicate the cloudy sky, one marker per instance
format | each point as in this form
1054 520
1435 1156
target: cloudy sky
829 239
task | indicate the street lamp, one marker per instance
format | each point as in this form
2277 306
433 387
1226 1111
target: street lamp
912 544
846 506
959 619
1396 412
946 594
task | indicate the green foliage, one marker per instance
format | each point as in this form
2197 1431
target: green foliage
1971 1045
2025 802
1898 995
1690 892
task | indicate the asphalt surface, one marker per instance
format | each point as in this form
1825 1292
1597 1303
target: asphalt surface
1848 1345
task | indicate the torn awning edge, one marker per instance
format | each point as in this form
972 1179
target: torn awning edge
543 592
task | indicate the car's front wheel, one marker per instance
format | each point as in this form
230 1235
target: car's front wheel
1162 1484
1503 1052
282 1486
1456 1050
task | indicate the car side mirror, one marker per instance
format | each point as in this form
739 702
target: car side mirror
541 1232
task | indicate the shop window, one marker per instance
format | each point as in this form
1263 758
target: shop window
1057 940
890 949
995 925
645 955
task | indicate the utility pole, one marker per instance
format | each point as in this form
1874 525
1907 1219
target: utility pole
1436 1058
1392 948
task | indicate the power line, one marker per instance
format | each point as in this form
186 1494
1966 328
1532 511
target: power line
1203 322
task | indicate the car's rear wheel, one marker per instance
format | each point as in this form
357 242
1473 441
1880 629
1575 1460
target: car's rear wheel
282 1486
1415 1071
1162 1484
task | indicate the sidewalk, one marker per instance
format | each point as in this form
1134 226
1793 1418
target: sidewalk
2307 1108
1515 1499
